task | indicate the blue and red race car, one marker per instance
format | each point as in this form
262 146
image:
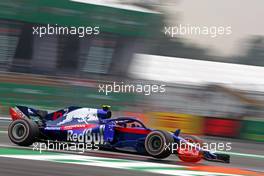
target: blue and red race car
96 127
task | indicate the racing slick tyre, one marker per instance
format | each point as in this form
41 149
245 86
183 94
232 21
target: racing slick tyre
156 144
23 132
188 153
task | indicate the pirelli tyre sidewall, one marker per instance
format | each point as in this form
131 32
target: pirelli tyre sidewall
156 142
23 132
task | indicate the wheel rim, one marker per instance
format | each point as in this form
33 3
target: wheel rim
155 143
19 131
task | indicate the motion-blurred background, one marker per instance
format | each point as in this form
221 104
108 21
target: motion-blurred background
202 97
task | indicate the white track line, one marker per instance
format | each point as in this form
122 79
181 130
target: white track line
5 118
166 169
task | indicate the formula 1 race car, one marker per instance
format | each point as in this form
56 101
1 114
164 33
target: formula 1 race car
95 126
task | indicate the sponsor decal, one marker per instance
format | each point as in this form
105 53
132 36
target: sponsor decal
78 126
52 128
82 115
87 136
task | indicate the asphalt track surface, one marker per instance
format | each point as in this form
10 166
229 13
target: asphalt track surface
240 159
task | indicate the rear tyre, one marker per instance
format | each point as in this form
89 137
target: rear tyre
23 132
156 142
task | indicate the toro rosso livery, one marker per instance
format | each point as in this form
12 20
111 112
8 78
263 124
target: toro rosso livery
96 127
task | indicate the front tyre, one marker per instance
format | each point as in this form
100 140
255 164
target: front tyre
156 144
23 132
